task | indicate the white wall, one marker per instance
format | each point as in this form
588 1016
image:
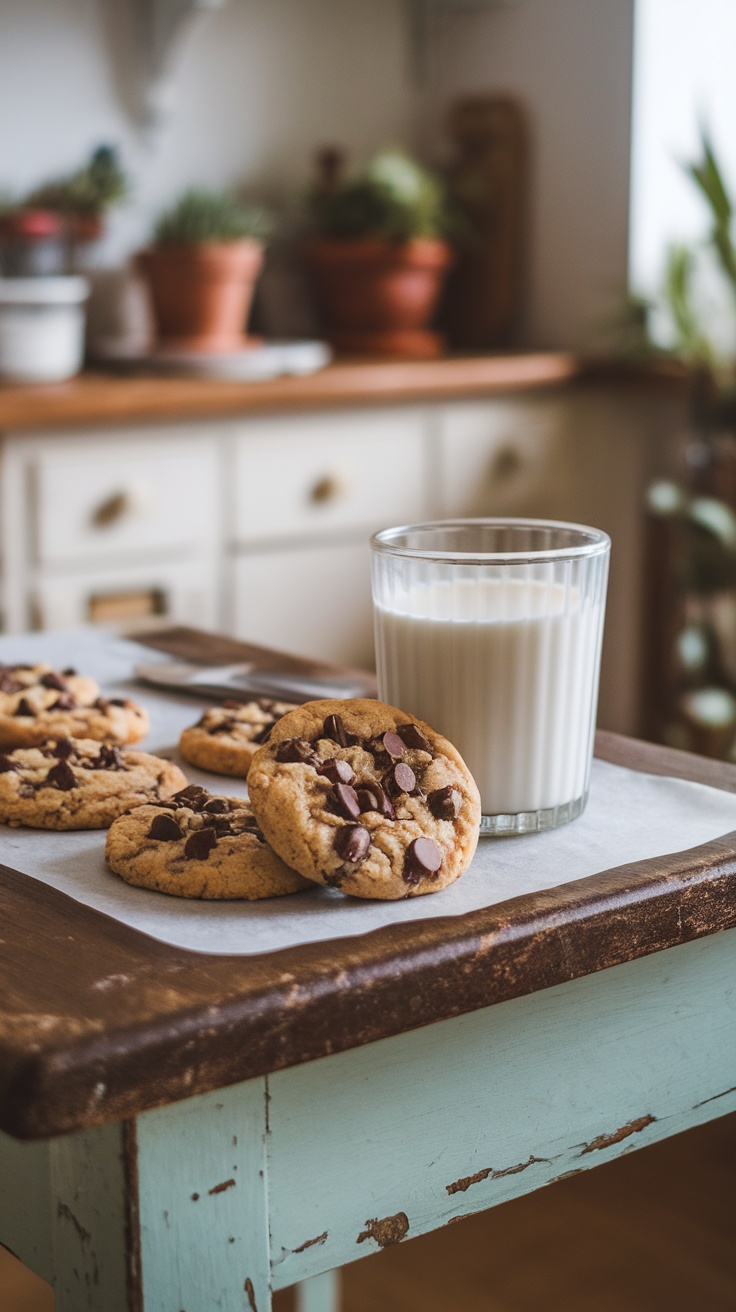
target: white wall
685 57
265 82
569 62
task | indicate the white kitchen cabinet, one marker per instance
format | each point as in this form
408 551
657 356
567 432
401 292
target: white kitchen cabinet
315 600
308 475
110 512
259 525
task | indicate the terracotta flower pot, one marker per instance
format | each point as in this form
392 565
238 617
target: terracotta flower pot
202 291
377 297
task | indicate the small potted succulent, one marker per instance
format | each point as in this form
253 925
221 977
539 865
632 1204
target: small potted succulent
379 257
201 270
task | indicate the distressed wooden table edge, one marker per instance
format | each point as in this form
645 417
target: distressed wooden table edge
122 1023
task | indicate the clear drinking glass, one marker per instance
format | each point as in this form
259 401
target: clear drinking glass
490 630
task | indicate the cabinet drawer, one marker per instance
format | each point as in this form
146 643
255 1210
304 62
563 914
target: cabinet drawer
312 473
502 457
182 592
91 499
314 600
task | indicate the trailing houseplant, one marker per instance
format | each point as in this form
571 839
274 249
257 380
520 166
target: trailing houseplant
379 256
692 518
201 269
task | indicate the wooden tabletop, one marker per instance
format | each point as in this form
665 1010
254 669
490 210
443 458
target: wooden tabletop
100 398
101 1022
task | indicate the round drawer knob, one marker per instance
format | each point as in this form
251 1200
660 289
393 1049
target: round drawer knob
129 501
331 487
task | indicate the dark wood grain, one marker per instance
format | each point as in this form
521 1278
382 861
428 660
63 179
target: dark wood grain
101 1022
98 398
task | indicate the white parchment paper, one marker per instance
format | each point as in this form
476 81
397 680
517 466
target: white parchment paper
629 817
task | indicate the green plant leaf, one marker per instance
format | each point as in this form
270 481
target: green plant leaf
200 216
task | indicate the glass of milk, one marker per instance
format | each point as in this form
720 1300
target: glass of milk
490 630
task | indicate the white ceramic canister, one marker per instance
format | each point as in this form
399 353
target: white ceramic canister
41 328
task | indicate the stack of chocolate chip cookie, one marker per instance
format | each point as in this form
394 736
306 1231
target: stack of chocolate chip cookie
361 797
354 795
351 794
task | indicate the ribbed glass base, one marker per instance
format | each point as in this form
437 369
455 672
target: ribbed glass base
532 822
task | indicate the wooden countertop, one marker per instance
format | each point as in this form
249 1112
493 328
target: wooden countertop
99 398
90 1005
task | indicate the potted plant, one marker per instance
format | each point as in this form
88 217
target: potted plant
201 270
379 258
82 199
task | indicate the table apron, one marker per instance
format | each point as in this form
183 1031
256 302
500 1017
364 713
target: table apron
215 1200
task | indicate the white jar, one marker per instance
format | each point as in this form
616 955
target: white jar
41 328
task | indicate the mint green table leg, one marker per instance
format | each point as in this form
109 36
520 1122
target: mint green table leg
167 1214
320 1294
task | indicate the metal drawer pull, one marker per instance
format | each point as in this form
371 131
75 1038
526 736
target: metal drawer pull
331 487
133 500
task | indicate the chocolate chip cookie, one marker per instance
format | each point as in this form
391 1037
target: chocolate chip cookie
366 799
80 784
46 711
198 846
227 737
43 684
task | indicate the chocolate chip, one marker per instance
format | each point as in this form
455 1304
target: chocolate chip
225 726
404 778
102 704
64 702
119 701
61 776
222 824
343 800
370 797
164 829
62 748
293 750
393 745
193 796
53 681
337 771
217 806
445 803
8 684
422 858
109 758
199 844
6 764
69 672
351 842
413 737
334 728
263 734
24 707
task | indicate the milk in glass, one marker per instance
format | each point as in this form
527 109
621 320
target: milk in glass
507 669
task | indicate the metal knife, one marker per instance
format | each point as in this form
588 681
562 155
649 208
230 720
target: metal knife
242 682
